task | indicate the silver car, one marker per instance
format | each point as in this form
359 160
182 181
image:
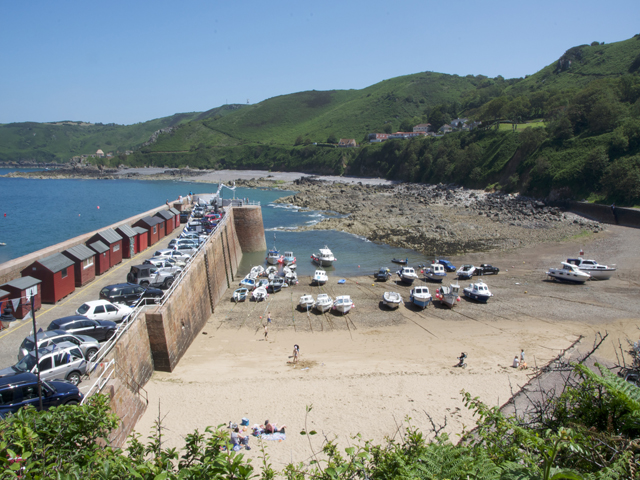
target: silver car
64 360
88 345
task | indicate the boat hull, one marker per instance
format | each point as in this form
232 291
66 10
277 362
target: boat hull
323 262
323 308
599 274
449 301
420 302
272 260
407 280
435 278
476 297
567 279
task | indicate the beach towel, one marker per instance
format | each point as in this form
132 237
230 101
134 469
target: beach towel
274 436
341 281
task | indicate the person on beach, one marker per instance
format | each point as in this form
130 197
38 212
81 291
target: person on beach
523 364
269 427
516 362
266 333
296 352
269 318
237 439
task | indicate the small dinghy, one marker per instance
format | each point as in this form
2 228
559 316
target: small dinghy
343 304
259 294
271 270
320 277
420 296
568 273
323 302
401 262
392 299
247 282
448 296
407 275
435 272
257 271
306 302
240 295
478 291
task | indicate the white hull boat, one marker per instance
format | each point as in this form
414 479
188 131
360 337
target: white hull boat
323 303
568 273
247 282
465 272
320 277
259 294
276 283
420 296
392 299
435 272
288 258
306 302
324 258
240 295
343 304
593 268
270 271
449 296
407 275
478 291
256 271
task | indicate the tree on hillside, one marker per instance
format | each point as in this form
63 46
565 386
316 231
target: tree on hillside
299 140
332 138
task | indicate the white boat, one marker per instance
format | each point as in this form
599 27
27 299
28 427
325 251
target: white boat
259 294
407 275
324 258
465 272
273 255
323 302
343 304
247 282
320 277
270 270
593 268
392 299
276 283
290 276
288 258
568 273
448 296
435 272
256 271
240 295
420 296
478 291
263 282
306 302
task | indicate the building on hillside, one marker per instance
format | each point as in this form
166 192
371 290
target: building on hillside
458 122
422 127
347 143
56 274
83 258
20 292
100 154
406 135
378 137
445 128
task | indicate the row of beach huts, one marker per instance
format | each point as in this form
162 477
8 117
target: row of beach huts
50 279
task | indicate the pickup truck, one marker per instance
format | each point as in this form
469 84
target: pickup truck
149 275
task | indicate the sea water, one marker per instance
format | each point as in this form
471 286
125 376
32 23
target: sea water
35 214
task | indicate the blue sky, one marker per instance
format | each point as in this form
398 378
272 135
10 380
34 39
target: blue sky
131 61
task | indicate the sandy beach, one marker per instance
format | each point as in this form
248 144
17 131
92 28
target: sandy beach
368 371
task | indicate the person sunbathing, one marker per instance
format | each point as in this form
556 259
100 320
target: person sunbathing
269 427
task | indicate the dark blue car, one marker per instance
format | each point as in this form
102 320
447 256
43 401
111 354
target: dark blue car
21 389
448 266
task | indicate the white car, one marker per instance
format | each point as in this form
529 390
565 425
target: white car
103 310
193 236
171 253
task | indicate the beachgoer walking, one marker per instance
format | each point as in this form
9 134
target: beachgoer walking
521 355
266 333
516 362
296 352
523 364
269 318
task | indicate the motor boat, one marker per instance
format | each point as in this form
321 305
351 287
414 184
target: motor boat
290 276
320 277
324 258
400 261
263 282
247 282
465 272
392 299
306 302
478 291
435 272
407 275
288 258
240 295
269 271
420 296
383 274
448 296
256 271
323 302
276 283
259 294
568 273
593 268
343 304
273 255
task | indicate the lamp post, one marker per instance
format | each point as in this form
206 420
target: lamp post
35 337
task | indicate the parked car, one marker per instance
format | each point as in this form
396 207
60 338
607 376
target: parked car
21 389
104 310
171 253
168 264
150 276
195 242
80 325
130 293
448 266
64 360
184 217
199 237
87 344
188 248
486 269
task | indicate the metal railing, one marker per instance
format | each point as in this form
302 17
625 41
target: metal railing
102 380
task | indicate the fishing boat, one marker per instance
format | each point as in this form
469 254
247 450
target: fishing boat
240 295
420 296
288 258
401 262
383 274
323 302
392 299
435 272
343 304
320 277
276 283
448 296
324 258
259 294
593 268
273 255
568 273
478 291
465 272
407 275
306 302
248 282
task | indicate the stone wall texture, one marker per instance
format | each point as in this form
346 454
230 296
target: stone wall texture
627 217
250 235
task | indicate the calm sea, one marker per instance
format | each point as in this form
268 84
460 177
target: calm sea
37 213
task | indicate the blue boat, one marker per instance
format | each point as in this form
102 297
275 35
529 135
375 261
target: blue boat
247 282
420 296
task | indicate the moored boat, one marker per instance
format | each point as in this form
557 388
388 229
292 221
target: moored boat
288 258
407 275
400 261
478 291
343 304
276 283
306 302
435 272
259 294
593 268
420 296
568 273
273 256
448 296
324 257
320 277
323 302
240 295
392 299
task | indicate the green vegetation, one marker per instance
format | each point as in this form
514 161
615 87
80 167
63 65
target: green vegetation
588 431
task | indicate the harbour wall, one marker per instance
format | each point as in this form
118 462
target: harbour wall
627 217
